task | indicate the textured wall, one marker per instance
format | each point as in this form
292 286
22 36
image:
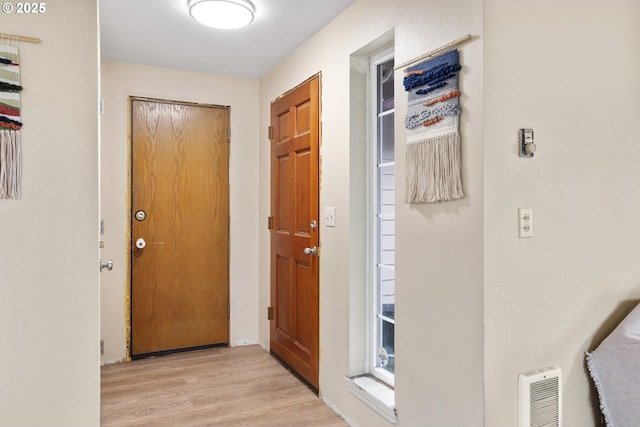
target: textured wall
49 239
569 70
438 247
119 81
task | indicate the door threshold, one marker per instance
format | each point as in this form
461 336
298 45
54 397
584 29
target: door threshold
177 350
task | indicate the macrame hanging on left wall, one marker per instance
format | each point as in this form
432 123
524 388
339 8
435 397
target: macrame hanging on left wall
10 124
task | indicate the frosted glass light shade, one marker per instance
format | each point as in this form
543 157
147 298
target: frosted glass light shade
223 14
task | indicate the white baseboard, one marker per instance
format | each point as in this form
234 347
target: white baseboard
339 411
110 361
242 343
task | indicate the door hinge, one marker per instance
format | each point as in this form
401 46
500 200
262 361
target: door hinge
270 223
228 134
228 310
270 132
269 313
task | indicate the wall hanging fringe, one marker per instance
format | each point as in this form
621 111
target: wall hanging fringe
10 124
433 158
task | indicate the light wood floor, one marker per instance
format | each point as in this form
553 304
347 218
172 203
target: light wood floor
240 386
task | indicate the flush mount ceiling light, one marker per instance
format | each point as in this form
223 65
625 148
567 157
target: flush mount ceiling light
223 14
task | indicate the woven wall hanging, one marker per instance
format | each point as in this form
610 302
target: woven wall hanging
10 125
433 140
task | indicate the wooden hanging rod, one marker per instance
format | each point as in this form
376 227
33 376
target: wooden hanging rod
20 38
436 51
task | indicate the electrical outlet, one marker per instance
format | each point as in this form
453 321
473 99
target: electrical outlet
525 222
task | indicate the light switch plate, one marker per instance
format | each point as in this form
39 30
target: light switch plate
330 216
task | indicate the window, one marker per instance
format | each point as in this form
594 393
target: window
372 231
381 218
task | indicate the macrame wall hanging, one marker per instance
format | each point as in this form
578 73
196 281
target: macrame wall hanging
10 124
433 158
433 140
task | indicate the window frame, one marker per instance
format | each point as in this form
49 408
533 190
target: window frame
373 234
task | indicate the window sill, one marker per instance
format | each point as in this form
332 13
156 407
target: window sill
374 393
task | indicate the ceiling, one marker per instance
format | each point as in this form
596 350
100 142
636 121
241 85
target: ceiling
161 33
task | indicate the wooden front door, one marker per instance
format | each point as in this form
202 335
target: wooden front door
179 226
295 121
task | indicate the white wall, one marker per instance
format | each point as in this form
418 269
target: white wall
439 289
49 239
439 247
119 81
569 70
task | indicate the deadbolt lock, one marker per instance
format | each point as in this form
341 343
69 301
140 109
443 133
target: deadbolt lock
141 215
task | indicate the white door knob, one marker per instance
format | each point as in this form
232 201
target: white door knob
140 243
